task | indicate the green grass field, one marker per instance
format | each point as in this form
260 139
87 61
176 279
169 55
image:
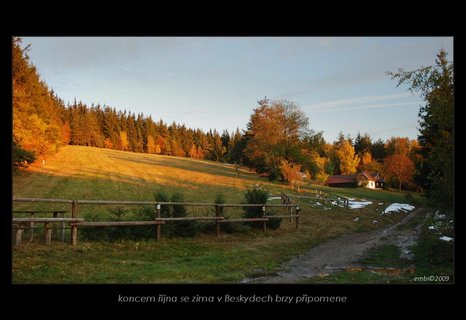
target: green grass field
93 173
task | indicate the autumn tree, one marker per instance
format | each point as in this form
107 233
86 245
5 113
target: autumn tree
124 140
398 145
151 146
366 158
436 136
400 168
274 132
348 160
291 173
36 109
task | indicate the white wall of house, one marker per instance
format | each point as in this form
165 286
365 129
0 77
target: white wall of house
370 185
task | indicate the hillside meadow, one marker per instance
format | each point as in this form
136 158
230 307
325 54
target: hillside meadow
93 173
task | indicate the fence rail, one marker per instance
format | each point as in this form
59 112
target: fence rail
158 221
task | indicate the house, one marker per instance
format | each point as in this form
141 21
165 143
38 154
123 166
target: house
370 180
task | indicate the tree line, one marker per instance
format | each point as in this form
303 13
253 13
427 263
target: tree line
277 141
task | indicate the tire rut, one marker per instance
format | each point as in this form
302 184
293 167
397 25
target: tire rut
328 257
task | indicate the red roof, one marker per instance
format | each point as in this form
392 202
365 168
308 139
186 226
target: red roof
372 176
347 178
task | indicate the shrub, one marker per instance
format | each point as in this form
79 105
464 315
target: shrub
258 196
220 199
274 223
122 232
21 157
182 228
161 196
165 212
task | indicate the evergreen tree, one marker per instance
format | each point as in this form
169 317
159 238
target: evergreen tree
436 135
363 144
378 150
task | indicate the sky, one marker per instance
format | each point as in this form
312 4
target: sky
215 82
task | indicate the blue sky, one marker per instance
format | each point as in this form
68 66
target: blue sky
215 82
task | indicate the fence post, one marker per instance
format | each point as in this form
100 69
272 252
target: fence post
19 234
265 222
74 228
298 210
217 214
283 201
60 232
290 211
159 226
48 234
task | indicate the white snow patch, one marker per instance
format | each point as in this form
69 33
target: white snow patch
380 203
432 227
375 221
336 203
358 204
445 238
356 219
395 207
439 216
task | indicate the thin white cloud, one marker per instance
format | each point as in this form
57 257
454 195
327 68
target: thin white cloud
410 126
342 104
371 106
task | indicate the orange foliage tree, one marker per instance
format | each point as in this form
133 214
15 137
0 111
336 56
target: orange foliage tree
347 157
292 173
400 168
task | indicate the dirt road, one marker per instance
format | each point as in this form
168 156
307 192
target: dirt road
341 252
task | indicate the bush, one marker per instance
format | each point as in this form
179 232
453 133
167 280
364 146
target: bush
258 196
161 196
220 199
21 157
182 228
274 223
255 196
227 227
123 232
165 212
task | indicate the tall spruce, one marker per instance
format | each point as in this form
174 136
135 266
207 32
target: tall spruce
436 135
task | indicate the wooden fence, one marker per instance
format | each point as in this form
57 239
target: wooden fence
291 211
319 196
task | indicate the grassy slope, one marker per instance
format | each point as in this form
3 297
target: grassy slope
92 173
